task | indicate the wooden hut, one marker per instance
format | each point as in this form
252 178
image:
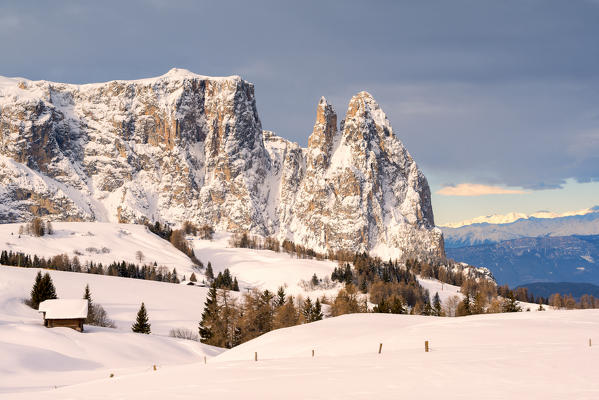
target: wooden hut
70 313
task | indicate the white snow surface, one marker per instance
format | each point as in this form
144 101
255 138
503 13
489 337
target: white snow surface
519 355
35 358
97 242
264 269
64 308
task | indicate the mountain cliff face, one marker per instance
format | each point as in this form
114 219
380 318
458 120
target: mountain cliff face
189 147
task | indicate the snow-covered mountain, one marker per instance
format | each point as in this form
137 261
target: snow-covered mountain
515 216
585 222
536 259
189 147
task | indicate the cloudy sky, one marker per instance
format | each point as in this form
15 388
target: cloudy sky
498 101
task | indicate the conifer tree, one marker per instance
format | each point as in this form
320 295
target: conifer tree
43 289
464 306
235 285
227 280
314 281
307 310
437 305
141 324
209 272
36 291
285 315
90 309
510 304
316 314
210 316
397 306
280 299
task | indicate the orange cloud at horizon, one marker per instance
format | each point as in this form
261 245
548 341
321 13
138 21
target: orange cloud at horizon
473 189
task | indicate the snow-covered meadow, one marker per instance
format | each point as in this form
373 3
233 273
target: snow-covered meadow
519 355
97 242
35 358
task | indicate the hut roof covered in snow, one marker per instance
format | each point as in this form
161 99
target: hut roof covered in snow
64 308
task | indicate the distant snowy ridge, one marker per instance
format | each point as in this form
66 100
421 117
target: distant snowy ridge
514 216
532 227
184 146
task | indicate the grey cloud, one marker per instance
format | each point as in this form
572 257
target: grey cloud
483 91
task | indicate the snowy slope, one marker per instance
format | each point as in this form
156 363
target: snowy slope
35 358
263 269
521 355
120 241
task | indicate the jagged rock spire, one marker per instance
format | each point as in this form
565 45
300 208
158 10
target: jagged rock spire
321 140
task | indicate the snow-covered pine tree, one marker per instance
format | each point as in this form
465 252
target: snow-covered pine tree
307 310
141 324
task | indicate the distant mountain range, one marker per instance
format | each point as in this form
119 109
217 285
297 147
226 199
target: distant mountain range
514 216
524 260
546 289
489 233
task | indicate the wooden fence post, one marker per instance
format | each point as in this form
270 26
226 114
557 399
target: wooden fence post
312 352
589 342
255 356
426 346
380 348
204 359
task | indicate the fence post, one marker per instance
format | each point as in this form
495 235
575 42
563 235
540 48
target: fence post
589 342
255 356
380 348
426 346
204 359
312 352
154 367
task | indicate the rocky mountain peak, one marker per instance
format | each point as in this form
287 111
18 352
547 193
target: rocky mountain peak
320 142
184 146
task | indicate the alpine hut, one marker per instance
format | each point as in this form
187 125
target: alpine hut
70 313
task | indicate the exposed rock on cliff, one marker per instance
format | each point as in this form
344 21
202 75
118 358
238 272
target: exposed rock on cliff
189 147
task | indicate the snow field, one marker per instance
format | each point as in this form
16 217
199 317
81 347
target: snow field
120 241
264 269
520 355
35 357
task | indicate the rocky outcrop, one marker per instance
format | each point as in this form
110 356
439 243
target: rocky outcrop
189 147
361 189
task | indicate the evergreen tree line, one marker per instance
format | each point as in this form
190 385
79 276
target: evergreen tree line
224 280
228 322
391 285
62 262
